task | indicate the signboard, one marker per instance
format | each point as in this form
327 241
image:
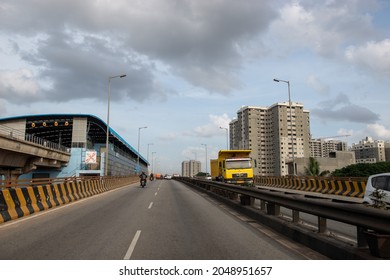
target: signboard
90 156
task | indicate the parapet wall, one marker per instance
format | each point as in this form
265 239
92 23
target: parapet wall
352 187
18 202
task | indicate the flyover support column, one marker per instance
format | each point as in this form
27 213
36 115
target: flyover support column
10 176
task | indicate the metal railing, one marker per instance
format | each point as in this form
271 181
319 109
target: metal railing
20 135
354 214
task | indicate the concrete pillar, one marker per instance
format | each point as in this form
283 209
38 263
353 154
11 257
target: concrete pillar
11 176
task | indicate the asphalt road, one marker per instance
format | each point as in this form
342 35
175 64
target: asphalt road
164 221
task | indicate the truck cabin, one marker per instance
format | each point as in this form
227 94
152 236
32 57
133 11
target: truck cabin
238 163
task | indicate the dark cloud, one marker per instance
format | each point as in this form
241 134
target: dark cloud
81 69
201 40
341 109
81 43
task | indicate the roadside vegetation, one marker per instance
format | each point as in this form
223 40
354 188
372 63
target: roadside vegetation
354 170
313 169
362 169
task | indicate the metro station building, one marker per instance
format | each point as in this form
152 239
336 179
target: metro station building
74 145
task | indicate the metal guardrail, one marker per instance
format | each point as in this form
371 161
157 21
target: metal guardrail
358 215
16 134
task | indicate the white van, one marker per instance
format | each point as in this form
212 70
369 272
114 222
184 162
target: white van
377 181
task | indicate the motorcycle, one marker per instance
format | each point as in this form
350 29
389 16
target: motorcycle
143 183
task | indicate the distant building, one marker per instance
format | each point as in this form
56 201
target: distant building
335 160
190 168
387 151
369 151
272 136
322 147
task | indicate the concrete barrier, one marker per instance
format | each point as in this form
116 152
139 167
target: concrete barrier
19 202
352 187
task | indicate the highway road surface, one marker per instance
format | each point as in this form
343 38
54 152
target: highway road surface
164 221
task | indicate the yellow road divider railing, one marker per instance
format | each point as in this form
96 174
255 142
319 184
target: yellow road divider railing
20 198
352 187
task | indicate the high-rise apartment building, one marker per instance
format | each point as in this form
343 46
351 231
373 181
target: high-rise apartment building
322 148
190 168
369 151
272 136
387 151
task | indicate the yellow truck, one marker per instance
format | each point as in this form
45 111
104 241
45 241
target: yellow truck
233 166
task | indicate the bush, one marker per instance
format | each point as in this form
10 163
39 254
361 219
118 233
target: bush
362 169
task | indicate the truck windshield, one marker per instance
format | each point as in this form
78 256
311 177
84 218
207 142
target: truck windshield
238 164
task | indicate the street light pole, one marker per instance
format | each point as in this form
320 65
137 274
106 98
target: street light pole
205 145
291 122
227 136
147 157
153 162
108 119
139 135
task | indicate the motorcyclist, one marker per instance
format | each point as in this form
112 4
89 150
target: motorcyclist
142 177
151 177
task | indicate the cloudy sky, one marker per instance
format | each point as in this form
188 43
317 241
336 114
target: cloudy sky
191 65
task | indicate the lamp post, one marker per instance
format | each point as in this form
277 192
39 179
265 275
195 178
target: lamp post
147 155
139 135
227 136
205 145
291 129
153 162
108 118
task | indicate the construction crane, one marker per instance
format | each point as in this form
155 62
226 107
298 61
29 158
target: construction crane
336 136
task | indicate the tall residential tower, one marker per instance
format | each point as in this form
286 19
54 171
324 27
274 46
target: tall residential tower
190 168
272 136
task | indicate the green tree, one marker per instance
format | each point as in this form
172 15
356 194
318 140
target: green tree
313 168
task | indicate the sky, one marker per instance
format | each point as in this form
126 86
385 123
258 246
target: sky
192 64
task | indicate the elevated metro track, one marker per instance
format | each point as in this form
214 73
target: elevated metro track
20 153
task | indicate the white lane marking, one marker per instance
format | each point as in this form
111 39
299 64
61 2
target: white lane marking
155 193
132 245
150 205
